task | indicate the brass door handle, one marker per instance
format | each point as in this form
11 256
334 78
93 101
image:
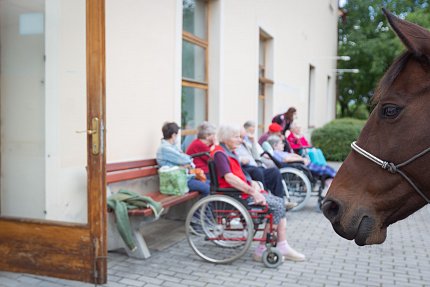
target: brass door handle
90 132
94 133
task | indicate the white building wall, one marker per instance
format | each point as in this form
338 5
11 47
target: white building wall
143 57
143 72
304 33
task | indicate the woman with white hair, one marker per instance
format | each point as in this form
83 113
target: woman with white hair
230 174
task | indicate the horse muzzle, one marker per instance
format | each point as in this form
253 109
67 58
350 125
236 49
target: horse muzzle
355 225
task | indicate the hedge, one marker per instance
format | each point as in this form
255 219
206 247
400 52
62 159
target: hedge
335 138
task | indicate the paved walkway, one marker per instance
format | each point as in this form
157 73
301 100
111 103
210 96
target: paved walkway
403 260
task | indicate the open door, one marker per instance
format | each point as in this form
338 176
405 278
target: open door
52 152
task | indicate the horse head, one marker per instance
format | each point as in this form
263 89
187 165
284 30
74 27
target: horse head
364 199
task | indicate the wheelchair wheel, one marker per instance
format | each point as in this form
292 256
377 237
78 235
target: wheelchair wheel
225 231
297 186
272 257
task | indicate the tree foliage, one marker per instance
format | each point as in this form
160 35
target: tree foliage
365 36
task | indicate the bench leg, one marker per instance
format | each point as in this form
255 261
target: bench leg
141 251
115 241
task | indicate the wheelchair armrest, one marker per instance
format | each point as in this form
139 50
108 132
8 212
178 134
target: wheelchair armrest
228 189
277 163
199 154
297 161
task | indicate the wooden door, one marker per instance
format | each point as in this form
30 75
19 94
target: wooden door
52 83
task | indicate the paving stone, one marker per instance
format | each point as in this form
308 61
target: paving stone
131 282
403 260
193 282
151 280
169 278
114 284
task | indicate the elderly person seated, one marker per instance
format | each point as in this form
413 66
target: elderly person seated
325 171
231 175
169 154
274 130
296 139
270 177
203 143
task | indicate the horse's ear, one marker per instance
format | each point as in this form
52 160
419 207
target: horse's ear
413 36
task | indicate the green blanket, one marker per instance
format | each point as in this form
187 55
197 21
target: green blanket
124 200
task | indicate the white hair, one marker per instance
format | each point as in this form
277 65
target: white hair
226 132
249 124
273 140
205 129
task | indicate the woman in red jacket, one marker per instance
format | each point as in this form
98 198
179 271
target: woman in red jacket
230 174
203 143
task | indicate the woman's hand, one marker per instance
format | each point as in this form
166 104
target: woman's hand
258 198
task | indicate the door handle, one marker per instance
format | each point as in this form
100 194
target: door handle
94 133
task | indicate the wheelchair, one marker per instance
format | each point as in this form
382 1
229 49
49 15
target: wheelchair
299 182
221 227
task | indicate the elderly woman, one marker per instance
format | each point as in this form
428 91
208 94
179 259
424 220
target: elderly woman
296 139
278 147
230 174
203 143
324 171
169 154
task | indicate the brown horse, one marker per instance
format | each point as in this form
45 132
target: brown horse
387 175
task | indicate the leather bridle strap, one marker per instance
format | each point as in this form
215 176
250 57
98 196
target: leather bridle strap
391 167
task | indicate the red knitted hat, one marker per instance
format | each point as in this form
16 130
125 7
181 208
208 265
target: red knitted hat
275 128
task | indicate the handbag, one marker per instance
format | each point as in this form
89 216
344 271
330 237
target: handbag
173 180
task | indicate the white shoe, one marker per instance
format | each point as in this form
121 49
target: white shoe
290 205
293 255
236 223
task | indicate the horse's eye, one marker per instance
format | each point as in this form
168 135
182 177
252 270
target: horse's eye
390 111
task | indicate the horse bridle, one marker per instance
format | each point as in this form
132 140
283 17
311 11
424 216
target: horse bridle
391 167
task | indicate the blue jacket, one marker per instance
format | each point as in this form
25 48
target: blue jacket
170 155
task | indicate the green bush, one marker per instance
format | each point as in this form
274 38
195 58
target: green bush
335 138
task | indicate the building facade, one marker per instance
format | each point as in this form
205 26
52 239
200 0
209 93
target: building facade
226 61
83 82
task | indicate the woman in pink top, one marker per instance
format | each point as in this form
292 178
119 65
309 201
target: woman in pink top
296 140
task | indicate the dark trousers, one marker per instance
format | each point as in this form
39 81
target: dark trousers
270 177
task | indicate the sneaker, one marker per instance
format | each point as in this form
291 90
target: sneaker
258 253
290 205
293 255
236 223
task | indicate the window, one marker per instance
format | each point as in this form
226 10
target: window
194 98
311 98
264 82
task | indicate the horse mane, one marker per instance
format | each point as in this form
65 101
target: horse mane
391 75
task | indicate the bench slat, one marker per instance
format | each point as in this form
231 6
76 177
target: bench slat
165 200
117 166
133 174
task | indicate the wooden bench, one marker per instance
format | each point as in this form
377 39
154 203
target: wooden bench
118 175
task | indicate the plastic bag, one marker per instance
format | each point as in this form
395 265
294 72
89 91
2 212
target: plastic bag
173 180
316 156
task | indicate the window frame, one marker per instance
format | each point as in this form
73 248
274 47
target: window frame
263 82
191 83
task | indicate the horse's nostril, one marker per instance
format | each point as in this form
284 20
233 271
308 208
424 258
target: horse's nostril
331 210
